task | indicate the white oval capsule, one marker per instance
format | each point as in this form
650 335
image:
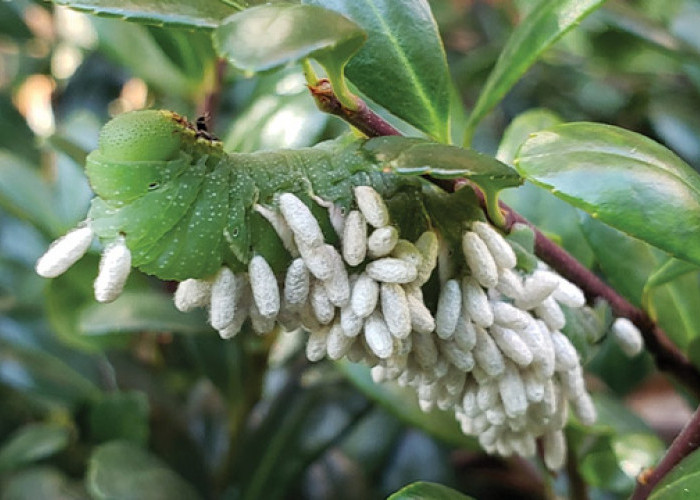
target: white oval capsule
422 320
627 336
300 220
382 241
511 345
550 312
476 303
279 224
479 260
538 286
487 395
350 322
391 270
569 294
534 386
263 283
463 360
510 284
318 260
377 336
296 284
372 206
465 334
554 444
487 355
512 390
585 409
338 285
337 343
395 310
405 250
429 247
510 316
355 238
499 247
192 293
262 325
64 252
320 303
449 309
223 299
365 294
316 344
115 266
565 353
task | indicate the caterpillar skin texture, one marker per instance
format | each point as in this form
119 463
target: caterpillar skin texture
185 207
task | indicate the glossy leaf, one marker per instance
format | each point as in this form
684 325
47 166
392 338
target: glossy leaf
404 405
554 217
46 483
670 270
403 66
422 490
682 482
31 443
202 14
548 21
270 36
627 264
412 156
621 178
120 469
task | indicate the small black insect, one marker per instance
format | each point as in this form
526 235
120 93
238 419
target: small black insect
202 129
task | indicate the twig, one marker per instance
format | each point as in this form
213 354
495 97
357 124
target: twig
363 118
686 442
212 98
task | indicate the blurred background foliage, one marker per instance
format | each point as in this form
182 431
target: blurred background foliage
136 400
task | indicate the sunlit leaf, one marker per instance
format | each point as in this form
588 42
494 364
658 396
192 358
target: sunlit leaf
621 178
682 481
422 490
403 66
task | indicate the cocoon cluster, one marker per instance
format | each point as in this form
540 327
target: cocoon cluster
492 351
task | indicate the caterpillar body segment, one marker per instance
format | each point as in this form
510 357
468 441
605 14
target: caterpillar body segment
185 211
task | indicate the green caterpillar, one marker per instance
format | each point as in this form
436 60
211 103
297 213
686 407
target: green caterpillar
185 207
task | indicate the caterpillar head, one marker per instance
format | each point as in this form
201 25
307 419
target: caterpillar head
140 150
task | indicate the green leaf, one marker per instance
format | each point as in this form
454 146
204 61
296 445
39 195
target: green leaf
422 490
270 36
139 311
202 14
403 66
411 156
46 483
627 264
404 405
669 271
682 482
120 415
621 178
24 193
522 126
31 443
120 469
547 22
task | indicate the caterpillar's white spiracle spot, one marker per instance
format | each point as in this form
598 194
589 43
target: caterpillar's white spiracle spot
479 260
500 249
372 206
223 299
64 252
301 221
355 238
115 266
627 336
382 241
263 283
192 293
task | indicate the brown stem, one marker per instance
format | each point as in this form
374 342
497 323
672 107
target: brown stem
685 443
362 118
